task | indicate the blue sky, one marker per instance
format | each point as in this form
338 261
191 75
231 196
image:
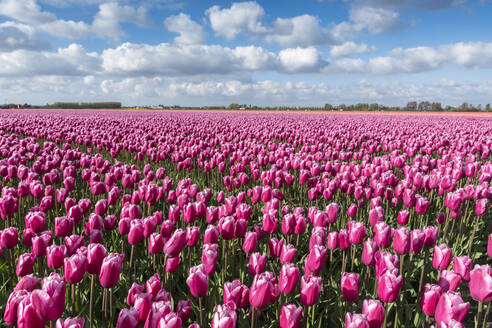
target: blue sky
308 52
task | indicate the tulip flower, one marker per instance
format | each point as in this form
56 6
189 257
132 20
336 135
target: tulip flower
12 305
184 309
50 300
449 280
403 216
368 252
28 316
401 240
481 283
350 286
429 298
356 320
236 293
25 264
209 258
462 265
417 237
224 316
28 283
175 244
128 318
9 238
74 268
288 253
70 323
310 289
389 287
153 285
256 263
261 290
110 270
197 281
95 256
316 259
290 316
357 233
143 304
451 306
382 234
442 257
157 311
55 255
289 276
374 312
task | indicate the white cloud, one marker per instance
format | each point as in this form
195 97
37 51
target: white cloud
376 20
350 48
107 22
300 59
15 36
73 60
474 55
110 15
189 31
241 17
304 30
416 4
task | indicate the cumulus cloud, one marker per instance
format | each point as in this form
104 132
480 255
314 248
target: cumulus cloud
15 36
70 61
189 31
304 30
300 59
375 20
241 17
248 18
350 48
107 22
417 4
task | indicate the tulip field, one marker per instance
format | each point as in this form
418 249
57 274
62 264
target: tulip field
220 219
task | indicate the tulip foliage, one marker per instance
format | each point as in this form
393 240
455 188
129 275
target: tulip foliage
159 219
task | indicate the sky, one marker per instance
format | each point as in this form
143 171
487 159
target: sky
266 53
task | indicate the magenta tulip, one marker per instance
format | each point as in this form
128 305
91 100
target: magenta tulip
310 289
481 283
350 286
197 281
375 312
110 269
70 323
356 320
389 287
451 306
290 316
442 257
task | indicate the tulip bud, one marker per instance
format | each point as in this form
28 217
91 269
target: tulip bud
110 270
481 283
350 286
401 240
310 289
375 312
289 275
290 316
442 257
389 287
197 281
25 264
261 290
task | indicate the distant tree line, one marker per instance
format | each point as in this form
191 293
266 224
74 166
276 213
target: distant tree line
83 105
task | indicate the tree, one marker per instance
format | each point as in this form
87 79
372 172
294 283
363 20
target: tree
233 106
411 105
436 106
328 107
374 106
487 108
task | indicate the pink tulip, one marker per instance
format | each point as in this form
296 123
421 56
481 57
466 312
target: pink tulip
197 281
157 311
134 290
172 264
481 283
128 318
70 323
401 240
431 233
28 316
429 298
449 280
310 289
417 237
110 269
261 290
442 257
236 293
389 287
451 306
9 238
25 264
462 265
209 258
156 243
95 256
50 300
175 244
143 304
357 232
290 316
184 309
224 316
316 259
74 268
368 252
288 253
375 312
256 264
403 216
350 286
289 276
382 234
28 283
481 206
356 320
153 285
